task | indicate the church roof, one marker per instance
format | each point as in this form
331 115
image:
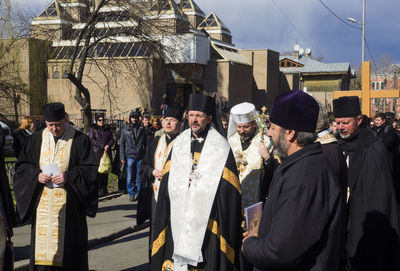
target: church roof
191 6
314 66
165 7
212 22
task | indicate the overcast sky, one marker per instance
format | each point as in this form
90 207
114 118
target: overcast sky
278 24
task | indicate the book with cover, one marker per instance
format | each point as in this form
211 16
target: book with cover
253 217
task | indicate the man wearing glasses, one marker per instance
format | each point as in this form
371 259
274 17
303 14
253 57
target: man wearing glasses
198 221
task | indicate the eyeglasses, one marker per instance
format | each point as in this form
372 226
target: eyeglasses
100 120
198 116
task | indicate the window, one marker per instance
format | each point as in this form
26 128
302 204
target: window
51 11
56 73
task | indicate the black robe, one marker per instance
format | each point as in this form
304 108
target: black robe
221 245
7 213
373 209
81 190
302 219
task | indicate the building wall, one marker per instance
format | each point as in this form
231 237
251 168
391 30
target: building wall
122 87
26 62
266 78
322 88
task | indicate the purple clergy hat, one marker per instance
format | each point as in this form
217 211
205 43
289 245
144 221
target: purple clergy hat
295 110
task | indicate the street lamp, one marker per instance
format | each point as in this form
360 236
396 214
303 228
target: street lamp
363 31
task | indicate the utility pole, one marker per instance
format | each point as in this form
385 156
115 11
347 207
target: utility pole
363 33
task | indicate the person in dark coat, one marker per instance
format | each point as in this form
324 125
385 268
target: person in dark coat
303 215
373 209
102 140
133 146
21 134
55 184
7 214
386 133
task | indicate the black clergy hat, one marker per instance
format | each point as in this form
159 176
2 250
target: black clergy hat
345 107
173 113
53 112
295 110
202 103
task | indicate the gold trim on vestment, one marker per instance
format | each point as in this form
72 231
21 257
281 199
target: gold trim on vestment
159 242
230 177
166 167
224 246
51 210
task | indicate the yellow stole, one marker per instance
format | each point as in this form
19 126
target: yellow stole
160 157
51 211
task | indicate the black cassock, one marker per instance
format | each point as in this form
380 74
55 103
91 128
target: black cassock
222 240
373 209
81 190
303 217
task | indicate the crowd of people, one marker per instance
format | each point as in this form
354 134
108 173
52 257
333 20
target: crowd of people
328 185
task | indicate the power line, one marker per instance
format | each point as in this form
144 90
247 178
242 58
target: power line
370 54
365 40
298 31
334 14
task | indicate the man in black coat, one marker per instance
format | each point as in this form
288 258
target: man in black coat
303 215
373 209
133 146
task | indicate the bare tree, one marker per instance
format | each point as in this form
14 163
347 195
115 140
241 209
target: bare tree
14 26
133 22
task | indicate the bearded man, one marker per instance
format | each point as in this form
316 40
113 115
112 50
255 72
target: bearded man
55 183
249 146
303 214
198 221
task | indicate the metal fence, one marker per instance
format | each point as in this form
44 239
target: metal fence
10 169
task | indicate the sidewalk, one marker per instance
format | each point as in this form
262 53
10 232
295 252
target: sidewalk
115 218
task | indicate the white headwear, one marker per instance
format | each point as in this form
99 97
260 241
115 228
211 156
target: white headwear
240 114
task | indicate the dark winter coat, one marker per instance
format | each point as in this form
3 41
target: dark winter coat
373 209
387 135
133 141
302 217
99 138
20 136
7 213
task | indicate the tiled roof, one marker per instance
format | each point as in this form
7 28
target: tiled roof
314 66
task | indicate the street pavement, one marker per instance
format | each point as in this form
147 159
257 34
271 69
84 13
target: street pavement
114 241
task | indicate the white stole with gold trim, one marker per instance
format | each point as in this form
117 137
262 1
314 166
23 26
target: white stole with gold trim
51 211
160 157
191 206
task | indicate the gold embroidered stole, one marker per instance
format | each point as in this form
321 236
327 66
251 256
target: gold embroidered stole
51 211
160 157
249 165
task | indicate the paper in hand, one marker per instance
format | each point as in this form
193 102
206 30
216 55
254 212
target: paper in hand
51 170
